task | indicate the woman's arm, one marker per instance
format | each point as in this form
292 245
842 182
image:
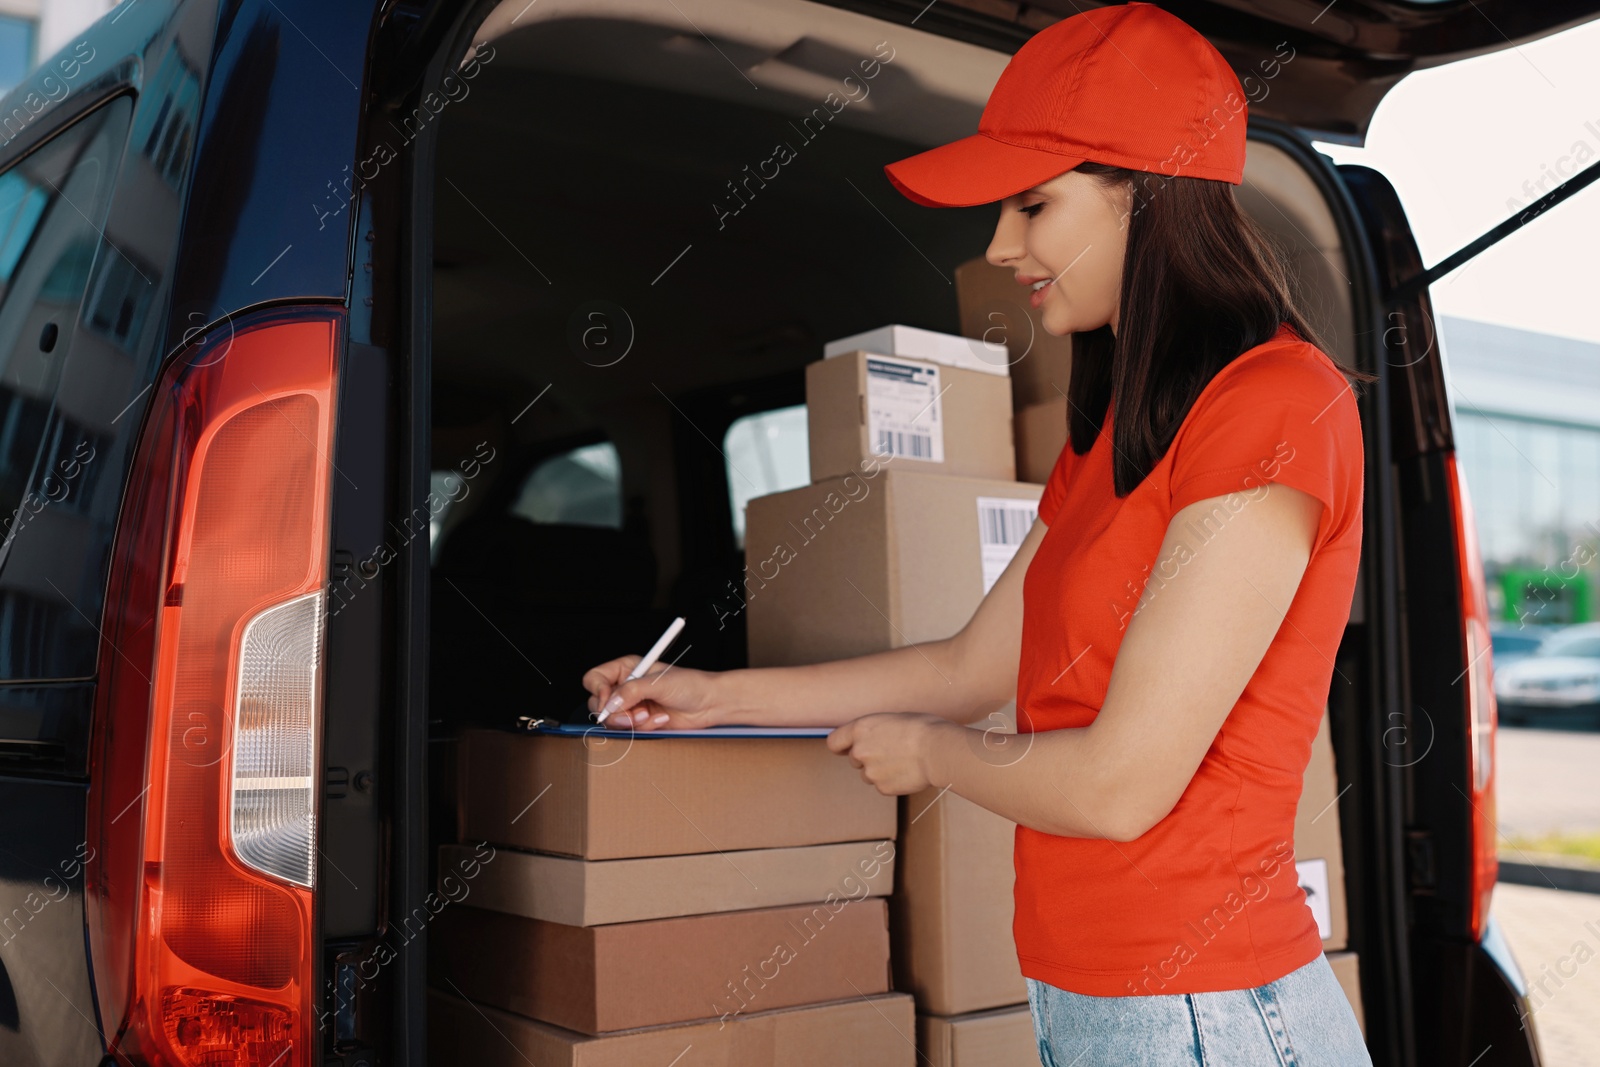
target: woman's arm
959 679
1185 658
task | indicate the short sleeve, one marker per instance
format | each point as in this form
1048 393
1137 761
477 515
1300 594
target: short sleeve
1287 416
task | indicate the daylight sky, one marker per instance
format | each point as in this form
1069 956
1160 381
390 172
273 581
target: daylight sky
1459 143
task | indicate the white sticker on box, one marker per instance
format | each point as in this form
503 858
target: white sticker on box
1002 524
1313 875
904 419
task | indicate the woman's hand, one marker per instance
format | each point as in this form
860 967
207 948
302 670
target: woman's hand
670 698
890 748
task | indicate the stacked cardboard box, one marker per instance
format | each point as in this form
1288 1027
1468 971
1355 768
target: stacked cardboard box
912 515
635 894
994 307
862 1032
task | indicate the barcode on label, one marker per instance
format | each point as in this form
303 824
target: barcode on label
904 416
1006 525
897 443
1003 523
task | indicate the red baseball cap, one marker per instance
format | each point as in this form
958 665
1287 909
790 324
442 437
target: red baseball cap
1132 86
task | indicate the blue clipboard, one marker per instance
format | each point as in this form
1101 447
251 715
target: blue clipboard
579 729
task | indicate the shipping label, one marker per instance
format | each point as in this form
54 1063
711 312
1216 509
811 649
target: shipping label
903 410
1002 524
1313 876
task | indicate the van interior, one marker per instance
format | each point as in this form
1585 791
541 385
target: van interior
622 314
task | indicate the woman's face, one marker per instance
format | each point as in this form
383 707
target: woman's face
1071 232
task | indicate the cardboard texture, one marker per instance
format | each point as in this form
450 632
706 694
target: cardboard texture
860 1032
600 978
1347 968
970 419
953 350
661 796
1318 850
866 562
993 307
578 892
999 1038
952 944
1041 435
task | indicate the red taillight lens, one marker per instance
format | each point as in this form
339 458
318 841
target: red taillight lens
200 889
1480 705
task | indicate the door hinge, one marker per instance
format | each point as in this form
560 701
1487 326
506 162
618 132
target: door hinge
1422 871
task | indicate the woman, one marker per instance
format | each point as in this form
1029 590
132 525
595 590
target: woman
1177 606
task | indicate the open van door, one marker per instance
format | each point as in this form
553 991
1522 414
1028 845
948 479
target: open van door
1466 991
1330 65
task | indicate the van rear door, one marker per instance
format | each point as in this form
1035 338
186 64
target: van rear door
1437 752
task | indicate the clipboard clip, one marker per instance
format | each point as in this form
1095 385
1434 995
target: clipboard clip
530 723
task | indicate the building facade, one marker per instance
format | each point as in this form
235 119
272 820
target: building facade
1526 411
32 30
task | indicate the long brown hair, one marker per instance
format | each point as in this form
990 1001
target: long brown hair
1201 284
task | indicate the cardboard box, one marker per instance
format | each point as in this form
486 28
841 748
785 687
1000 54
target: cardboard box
578 892
1318 851
911 412
661 795
860 1032
1041 435
951 937
952 350
874 561
600 978
993 307
1002 1037
1347 968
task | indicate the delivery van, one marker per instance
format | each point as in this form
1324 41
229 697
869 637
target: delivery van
372 369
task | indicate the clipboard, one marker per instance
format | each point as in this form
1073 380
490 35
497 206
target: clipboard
529 724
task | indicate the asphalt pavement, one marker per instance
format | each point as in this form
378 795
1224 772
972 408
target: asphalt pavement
1547 780
1555 937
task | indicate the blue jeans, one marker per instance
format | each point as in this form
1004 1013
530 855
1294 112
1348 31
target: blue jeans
1300 1020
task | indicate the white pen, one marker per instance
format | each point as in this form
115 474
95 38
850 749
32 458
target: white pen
644 665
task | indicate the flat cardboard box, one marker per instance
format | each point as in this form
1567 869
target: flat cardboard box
993 307
874 560
1318 850
872 1031
661 796
952 350
951 937
721 965
577 892
1041 435
910 412
1347 968
1001 1037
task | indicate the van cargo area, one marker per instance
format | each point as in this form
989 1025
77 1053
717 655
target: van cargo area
640 243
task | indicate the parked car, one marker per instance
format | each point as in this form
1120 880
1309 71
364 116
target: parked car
269 267
1511 643
1558 681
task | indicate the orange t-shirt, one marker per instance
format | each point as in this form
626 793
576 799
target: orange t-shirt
1208 898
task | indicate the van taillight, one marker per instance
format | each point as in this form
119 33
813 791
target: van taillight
1480 705
203 796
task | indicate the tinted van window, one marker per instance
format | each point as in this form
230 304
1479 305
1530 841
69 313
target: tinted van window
582 487
56 421
767 453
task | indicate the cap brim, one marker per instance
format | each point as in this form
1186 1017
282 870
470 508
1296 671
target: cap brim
975 170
